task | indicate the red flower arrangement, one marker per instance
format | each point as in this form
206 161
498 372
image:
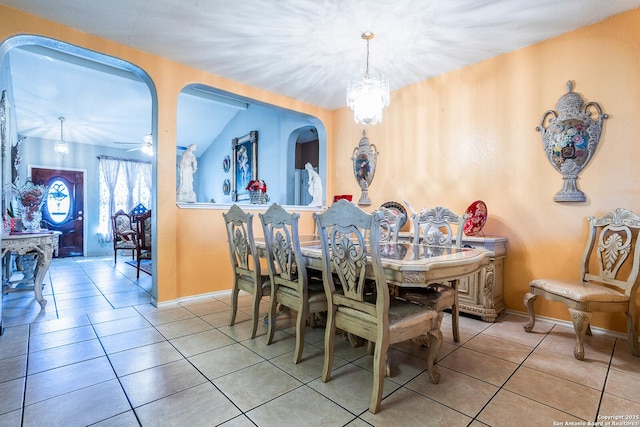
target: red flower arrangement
257 185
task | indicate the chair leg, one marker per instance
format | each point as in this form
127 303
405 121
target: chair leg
435 342
379 371
272 317
234 304
255 313
632 333
455 319
581 322
529 299
301 323
329 345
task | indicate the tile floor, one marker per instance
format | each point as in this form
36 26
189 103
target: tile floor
101 354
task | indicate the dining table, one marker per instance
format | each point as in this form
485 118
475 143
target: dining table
406 264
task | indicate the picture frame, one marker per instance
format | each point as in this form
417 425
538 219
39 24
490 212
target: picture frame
245 164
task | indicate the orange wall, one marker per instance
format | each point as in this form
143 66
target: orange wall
462 136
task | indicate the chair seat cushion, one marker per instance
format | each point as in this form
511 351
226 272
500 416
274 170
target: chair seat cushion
578 291
404 314
126 244
436 296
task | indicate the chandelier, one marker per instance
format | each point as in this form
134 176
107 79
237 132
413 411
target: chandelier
61 147
369 94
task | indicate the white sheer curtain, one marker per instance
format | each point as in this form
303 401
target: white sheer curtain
131 172
110 168
145 170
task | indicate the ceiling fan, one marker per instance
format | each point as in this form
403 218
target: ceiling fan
146 146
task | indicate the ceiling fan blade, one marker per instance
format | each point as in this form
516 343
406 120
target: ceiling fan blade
135 149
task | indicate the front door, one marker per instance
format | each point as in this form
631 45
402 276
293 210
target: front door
64 209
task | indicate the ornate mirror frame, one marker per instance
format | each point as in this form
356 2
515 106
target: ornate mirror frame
245 164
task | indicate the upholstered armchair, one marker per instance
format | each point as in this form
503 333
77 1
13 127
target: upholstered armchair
124 235
608 280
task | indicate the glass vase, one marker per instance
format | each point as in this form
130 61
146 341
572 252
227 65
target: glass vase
31 220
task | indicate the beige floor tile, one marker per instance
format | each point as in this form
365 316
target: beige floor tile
350 386
120 325
60 338
202 405
13 367
158 317
161 381
183 327
221 318
310 367
282 343
623 384
497 347
141 358
59 324
64 355
621 410
623 360
54 382
586 372
239 421
510 409
302 406
481 366
404 367
12 393
109 315
80 407
567 396
225 360
510 327
132 339
201 342
407 408
562 340
455 390
203 308
255 385
13 418
126 419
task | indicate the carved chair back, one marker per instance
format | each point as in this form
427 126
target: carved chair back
438 226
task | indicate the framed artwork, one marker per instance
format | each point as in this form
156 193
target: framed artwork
226 164
245 164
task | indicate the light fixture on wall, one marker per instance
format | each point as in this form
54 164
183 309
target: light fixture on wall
147 148
61 147
368 94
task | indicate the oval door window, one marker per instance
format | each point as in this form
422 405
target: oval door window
58 202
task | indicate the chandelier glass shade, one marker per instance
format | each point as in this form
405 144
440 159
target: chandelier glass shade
369 94
61 147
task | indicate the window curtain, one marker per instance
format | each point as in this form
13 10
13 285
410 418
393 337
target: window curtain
145 169
110 169
131 172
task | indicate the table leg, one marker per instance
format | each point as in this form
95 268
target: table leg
44 259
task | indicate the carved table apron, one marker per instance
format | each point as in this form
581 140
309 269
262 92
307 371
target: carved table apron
44 245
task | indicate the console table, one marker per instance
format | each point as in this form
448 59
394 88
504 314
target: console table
480 294
42 245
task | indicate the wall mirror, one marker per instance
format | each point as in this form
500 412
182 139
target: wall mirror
221 125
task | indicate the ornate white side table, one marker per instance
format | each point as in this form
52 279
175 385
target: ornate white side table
43 244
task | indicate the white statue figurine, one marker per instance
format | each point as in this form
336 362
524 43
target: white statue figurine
315 186
186 168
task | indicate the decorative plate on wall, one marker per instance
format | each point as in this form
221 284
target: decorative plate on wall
398 207
226 187
226 163
478 212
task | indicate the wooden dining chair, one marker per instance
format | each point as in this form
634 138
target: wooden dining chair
438 226
124 234
390 224
291 286
608 279
378 318
245 262
144 246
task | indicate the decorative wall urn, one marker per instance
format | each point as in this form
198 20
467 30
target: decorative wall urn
364 158
570 139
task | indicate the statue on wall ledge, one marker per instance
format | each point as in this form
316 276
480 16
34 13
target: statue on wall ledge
187 166
315 186
570 139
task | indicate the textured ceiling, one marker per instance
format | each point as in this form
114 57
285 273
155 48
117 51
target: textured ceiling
308 49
